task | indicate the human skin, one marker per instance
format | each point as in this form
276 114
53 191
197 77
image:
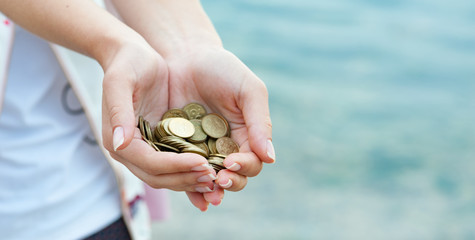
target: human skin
139 81
201 70
135 78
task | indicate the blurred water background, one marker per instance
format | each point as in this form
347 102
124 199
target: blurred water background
373 106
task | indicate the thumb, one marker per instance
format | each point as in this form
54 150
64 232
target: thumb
198 200
118 113
255 106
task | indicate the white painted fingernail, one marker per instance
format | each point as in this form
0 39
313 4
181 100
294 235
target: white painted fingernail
234 167
270 150
118 138
203 189
227 185
207 178
202 167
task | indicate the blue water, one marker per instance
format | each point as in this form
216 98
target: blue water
373 107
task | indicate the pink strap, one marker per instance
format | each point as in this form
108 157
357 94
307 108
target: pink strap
157 202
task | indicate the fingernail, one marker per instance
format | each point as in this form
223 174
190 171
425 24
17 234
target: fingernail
227 185
270 150
118 138
205 208
217 202
202 167
234 167
203 189
207 178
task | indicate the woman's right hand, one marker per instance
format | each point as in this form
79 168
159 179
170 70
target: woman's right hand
136 83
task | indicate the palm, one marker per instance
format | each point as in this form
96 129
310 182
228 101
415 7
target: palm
211 80
148 87
150 98
136 79
215 79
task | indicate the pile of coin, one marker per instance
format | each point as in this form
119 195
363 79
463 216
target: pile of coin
191 130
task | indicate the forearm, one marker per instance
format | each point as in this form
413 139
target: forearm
80 25
170 26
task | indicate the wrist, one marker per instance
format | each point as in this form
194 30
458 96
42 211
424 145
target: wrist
177 46
109 44
172 28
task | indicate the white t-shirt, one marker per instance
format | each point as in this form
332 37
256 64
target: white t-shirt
55 182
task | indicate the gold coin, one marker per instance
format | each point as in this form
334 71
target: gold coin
226 146
165 147
174 113
181 127
164 127
212 145
160 129
217 155
216 167
199 135
141 126
195 149
156 132
155 147
203 146
217 161
183 145
194 110
175 142
148 131
191 130
214 125
151 144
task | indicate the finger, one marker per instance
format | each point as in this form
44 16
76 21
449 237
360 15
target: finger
247 163
255 108
119 109
146 158
206 187
215 197
198 200
190 181
231 181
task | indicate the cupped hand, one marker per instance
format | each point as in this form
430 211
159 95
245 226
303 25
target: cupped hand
217 79
136 83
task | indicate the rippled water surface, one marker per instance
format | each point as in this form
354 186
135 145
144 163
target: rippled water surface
373 110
